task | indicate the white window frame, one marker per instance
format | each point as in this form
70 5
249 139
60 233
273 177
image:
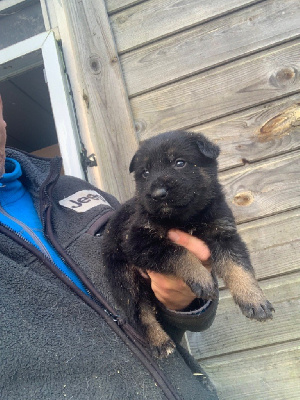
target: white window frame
43 50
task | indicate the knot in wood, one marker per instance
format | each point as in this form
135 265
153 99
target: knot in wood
122 19
114 60
95 64
140 126
280 125
284 77
243 199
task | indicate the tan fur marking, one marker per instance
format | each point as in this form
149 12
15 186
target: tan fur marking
205 175
156 335
242 284
189 267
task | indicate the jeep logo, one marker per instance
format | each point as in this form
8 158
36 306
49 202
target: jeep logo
83 200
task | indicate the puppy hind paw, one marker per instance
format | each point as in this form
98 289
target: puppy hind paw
260 312
164 349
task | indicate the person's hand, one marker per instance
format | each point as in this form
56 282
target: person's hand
170 290
2 139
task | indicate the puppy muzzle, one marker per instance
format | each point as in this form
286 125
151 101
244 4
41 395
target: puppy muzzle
159 193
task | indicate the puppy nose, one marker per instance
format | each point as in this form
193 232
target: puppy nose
159 193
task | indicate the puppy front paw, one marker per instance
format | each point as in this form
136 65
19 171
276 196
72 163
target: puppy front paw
246 292
260 311
207 291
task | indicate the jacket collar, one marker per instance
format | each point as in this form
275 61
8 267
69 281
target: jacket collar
38 176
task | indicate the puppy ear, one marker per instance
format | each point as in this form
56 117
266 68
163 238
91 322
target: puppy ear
207 148
132 164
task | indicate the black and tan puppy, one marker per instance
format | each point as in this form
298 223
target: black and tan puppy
176 187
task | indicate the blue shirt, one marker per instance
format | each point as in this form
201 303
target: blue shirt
17 212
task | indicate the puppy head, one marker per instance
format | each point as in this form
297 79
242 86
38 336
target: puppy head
175 174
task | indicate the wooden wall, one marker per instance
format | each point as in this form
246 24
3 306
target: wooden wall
231 69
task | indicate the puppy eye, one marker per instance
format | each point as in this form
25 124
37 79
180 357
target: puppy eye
179 163
145 173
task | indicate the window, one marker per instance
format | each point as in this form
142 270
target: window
50 119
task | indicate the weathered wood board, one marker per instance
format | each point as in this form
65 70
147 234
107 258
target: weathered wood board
254 80
108 111
274 244
205 46
232 332
155 19
230 69
267 373
116 5
264 188
257 133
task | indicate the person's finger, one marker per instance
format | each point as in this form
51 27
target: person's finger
144 274
191 243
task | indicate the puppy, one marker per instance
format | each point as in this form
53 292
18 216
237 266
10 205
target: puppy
176 187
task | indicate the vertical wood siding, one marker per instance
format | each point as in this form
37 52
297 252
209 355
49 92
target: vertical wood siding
231 69
103 91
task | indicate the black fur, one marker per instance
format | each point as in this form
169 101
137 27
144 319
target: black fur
176 187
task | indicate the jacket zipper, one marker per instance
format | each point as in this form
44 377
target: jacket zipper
37 243
36 240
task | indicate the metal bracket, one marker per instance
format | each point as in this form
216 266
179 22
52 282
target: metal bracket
87 161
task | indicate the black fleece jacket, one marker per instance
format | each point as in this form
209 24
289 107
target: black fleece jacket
55 343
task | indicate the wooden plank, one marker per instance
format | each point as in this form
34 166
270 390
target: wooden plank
225 90
243 136
117 5
264 188
257 133
107 109
268 373
158 18
235 35
232 332
274 244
